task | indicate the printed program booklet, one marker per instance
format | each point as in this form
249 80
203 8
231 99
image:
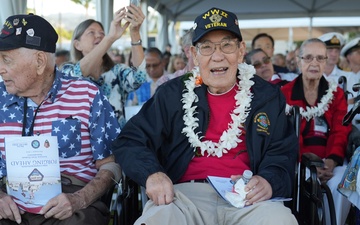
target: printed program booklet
33 170
224 184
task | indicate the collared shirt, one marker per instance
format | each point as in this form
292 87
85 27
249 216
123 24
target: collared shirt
116 83
75 111
335 74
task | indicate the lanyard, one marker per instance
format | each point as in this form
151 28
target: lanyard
31 130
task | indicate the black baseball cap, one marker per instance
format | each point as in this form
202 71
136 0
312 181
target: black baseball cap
28 31
215 19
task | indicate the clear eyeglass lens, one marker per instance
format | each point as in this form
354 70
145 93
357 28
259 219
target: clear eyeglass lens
310 58
208 48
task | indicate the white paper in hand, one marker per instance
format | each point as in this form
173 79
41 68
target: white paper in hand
238 197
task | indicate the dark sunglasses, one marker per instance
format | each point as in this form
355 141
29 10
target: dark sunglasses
258 64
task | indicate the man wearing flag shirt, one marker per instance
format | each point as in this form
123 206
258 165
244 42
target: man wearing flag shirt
36 99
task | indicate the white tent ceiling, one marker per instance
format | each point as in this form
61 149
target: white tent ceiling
187 10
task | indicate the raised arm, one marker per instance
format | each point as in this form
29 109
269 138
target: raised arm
136 18
93 60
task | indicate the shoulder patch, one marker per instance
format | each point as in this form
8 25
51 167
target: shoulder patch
263 123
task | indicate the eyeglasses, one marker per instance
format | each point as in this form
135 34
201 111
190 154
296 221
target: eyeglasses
226 46
310 58
258 64
155 65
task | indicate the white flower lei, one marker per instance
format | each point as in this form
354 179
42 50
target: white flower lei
230 137
321 108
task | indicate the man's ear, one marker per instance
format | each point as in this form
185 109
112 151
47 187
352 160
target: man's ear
193 52
41 61
242 52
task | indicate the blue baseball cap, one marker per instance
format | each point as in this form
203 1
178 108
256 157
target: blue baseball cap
215 19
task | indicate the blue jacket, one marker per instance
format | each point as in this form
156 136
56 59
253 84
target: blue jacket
152 141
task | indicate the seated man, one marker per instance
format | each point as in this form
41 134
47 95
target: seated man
38 100
220 120
155 68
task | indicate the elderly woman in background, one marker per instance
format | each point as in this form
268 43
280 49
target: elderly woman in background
322 107
89 56
265 69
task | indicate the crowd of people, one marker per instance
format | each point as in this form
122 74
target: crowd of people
215 109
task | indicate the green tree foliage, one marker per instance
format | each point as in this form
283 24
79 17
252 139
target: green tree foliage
85 3
353 35
64 34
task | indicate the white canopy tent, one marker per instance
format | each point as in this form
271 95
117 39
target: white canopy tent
185 10
172 11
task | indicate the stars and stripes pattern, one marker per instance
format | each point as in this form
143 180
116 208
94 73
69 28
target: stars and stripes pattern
76 112
116 83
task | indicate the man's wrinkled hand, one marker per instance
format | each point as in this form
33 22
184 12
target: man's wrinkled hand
9 209
160 189
62 206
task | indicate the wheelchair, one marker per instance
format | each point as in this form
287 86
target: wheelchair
308 203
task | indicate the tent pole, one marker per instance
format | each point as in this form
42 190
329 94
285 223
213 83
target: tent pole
310 27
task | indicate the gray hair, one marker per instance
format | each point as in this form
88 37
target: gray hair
186 39
309 41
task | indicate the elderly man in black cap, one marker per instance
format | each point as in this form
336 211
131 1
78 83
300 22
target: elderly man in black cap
217 120
37 101
334 41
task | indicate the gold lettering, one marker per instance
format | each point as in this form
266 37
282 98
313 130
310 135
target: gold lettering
206 15
8 24
215 11
210 25
224 14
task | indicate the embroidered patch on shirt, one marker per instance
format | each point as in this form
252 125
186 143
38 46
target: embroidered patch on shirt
263 123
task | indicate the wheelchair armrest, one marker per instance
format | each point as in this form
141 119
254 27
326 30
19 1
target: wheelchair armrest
310 159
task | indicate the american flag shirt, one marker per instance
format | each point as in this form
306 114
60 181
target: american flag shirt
75 111
116 83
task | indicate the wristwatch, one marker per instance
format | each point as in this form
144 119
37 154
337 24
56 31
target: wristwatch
136 43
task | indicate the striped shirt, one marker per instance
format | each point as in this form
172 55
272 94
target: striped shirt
116 83
75 111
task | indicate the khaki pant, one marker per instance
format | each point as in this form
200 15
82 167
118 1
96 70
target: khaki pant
199 204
